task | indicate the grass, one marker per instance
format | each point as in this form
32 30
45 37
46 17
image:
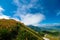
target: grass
51 37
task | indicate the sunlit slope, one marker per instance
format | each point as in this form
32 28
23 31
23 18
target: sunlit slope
14 30
32 32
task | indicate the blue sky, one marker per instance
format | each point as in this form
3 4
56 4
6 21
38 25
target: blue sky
30 12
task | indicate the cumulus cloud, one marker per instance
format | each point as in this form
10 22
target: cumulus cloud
26 17
32 19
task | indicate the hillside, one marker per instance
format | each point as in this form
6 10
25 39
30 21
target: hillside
51 33
14 30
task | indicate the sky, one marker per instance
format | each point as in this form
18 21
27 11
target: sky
30 12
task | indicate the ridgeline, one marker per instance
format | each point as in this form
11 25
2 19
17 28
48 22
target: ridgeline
13 30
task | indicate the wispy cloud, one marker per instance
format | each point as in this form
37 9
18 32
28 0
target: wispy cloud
26 17
58 13
1 10
2 15
49 24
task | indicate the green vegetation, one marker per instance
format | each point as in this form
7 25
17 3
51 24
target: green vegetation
51 34
14 30
51 37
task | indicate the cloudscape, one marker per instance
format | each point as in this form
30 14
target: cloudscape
31 12
29 19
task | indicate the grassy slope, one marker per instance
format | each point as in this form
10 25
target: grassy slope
12 24
32 32
51 37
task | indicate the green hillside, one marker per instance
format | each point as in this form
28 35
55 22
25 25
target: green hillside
14 30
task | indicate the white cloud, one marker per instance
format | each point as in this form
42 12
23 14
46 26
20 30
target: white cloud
28 18
1 10
2 16
32 19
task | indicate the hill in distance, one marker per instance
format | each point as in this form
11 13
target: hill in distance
52 33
